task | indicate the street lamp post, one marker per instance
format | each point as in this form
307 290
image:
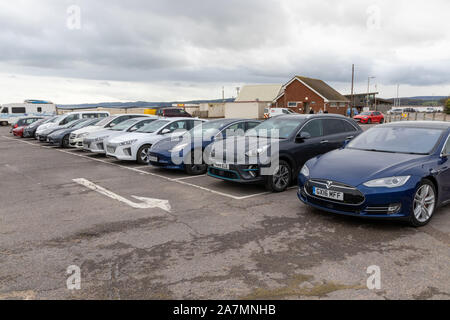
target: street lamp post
368 90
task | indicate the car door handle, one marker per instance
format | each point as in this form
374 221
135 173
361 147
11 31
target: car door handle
324 141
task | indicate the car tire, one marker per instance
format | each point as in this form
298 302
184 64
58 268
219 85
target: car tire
142 156
194 169
422 209
381 121
282 178
65 142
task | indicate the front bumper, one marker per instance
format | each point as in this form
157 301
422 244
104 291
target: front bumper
123 153
55 140
164 160
237 173
94 146
76 142
375 203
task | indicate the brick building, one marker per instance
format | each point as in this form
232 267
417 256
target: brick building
301 94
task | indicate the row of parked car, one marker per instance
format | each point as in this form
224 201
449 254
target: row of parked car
399 170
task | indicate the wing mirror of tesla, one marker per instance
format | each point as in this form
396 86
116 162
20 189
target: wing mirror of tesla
165 131
302 136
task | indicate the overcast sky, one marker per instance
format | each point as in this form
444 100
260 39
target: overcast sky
168 50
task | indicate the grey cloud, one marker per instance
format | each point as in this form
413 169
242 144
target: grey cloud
217 41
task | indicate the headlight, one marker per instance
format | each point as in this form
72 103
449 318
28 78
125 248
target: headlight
256 152
305 171
127 143
179 147
391 182
82 135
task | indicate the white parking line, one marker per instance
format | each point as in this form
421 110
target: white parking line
176 180
190 177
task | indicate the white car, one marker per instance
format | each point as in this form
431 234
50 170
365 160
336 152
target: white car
136 146
76 137
273 112
94 142
69 117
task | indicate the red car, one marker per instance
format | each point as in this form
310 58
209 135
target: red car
370 117
18 127
18 132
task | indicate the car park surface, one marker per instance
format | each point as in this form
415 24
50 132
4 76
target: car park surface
218 240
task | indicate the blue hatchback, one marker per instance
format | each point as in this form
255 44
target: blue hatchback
394 171
186 152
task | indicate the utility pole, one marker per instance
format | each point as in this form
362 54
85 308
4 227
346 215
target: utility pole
223 94
238 90
352 98
398 97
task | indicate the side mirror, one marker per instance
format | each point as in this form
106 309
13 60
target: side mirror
303 136
165 131
112 125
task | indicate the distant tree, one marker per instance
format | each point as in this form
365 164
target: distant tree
447 104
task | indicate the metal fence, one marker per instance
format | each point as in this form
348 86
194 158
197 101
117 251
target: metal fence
417 116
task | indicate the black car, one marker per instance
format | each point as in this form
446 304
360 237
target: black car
61 137
298 139
43 136
29 131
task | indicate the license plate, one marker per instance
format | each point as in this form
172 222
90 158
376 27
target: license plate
221 166
335 195
153 158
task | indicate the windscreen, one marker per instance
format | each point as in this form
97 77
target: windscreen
284 127
153 126
397 140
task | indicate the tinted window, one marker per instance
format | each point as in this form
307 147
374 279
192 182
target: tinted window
5 110
314 128
333 126
18 110
348 127
251 125
284 127
447 147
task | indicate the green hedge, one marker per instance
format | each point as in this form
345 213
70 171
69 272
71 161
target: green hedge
447 109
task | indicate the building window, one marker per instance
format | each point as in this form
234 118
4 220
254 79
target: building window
293 104
39 109
333 104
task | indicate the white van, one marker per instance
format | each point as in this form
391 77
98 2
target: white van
273 112
72 116
10 113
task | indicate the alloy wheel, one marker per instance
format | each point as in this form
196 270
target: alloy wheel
424 203
145 155
281 176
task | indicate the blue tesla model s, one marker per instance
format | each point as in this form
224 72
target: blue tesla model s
396 171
